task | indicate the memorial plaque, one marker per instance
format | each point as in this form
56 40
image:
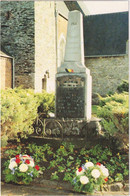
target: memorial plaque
70 97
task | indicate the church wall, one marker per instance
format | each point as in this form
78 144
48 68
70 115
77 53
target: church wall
45 46
62 33
17 37
107 73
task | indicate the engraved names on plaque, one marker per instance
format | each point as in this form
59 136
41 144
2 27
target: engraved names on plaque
70 97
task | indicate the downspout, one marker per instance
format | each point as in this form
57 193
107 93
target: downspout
56 33
13 74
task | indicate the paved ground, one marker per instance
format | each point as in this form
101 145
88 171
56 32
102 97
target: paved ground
39 190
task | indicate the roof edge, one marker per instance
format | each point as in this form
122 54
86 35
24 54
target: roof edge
109 55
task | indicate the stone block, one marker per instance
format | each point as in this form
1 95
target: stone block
116 187
126 188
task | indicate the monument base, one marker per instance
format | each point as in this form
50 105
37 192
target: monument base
76 131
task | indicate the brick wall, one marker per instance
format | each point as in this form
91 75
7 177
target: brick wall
107 73
17 37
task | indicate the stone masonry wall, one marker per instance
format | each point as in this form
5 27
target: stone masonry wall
107 73
17 37
45 45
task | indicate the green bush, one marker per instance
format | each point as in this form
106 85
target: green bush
114 111
18 111
124 86
46 103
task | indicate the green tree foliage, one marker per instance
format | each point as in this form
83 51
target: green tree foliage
114 111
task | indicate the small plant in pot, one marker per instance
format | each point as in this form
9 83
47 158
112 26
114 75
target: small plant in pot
21 169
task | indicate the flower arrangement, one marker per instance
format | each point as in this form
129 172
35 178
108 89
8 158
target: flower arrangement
21 169
90 177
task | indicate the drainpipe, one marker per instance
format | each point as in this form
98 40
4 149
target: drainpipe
13 74
56 33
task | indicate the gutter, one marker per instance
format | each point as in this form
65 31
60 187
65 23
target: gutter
56 35
98 56
13 74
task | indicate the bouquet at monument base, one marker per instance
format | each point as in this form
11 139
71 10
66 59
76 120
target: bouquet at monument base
90 178
21 169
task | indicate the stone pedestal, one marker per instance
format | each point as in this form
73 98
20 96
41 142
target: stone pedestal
77 131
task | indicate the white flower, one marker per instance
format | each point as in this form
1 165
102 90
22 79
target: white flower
23 167
12 165
105 171
101 166
84 179
31 163
80 172
13 159
95 173
88 164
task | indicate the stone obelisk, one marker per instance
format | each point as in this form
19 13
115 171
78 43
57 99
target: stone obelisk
73 80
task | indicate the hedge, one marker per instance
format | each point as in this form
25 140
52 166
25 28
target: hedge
19 109
114 111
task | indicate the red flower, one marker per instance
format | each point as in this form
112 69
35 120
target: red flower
37 167
98 163
18 160
27 161
17 156
80 169
26 155
106 179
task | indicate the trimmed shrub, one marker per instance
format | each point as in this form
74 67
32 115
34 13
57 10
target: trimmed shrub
18 111
114 111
